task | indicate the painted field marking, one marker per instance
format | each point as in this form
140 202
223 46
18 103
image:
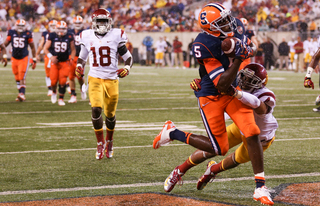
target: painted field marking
148 184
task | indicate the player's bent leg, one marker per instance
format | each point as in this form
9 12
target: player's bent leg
110 124
255 153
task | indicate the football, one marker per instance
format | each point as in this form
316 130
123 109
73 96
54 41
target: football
228 46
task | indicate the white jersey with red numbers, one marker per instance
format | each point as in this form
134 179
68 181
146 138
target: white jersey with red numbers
267 123
103 52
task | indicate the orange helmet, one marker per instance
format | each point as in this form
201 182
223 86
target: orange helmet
20 25
78 22
216 20
244 21
61 28
52 25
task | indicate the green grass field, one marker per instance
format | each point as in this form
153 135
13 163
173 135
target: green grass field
48 152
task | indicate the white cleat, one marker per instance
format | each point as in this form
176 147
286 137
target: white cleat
163 137
73 99
61 102
49 94
262 194
54 98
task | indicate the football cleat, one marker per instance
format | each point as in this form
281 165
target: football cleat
207 176
49 94
317 100
73 99
109 149
262 194
316 109
61 102
163 137
83 95
20 97
173 179
54 97
101 147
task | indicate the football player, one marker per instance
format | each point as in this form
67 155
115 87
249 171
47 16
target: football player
58 48
218 79
51 28
4 58
103 44
20 38
78 28
307 79
254 93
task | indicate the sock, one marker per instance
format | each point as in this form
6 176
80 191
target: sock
99 135
50 88
259 179
62 91
188 164
73 92
217 168
180 136
109 135
22 90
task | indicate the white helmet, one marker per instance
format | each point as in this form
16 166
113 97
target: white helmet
101 21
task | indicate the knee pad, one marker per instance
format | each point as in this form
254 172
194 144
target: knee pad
96 112
111 122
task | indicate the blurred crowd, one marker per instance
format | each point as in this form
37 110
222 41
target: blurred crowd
157 15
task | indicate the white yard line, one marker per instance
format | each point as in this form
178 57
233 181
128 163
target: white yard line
148 184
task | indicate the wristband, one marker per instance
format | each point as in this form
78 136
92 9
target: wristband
127 67
238 94
79 65
34 59
5 56
49 55
309 72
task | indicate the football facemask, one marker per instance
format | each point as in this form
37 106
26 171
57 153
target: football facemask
252 76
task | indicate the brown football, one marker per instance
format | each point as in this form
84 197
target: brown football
228 46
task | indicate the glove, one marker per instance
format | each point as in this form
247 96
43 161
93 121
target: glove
34 63
122 72
308 83
243 51
79 71
195 85
4 60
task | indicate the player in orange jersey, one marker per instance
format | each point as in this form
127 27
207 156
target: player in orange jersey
20 39
44 36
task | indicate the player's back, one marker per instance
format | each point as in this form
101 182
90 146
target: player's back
103 52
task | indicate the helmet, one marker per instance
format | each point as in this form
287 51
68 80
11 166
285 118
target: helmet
61 28
20 25
101 21
252 76
78 22
216 20
244 21
52 25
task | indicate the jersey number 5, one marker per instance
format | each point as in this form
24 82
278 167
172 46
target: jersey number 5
104 53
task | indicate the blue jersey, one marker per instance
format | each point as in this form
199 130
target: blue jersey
19 43
45 35
76 35
60 46
208 47
249 33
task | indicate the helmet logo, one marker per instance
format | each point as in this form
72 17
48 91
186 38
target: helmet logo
203 18
240 30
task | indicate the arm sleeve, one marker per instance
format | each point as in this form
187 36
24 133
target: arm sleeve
83 53
250 100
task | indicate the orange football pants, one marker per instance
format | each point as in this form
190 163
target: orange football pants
20 67
73 65
59 72
212 113
46 63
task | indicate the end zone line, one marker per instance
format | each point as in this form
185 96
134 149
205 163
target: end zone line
147 184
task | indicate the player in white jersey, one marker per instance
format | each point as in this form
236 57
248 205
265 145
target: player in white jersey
161 47
307 49
102 44
3 51
292 50
252 80
307 79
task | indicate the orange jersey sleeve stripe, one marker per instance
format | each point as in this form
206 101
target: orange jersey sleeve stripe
214 69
